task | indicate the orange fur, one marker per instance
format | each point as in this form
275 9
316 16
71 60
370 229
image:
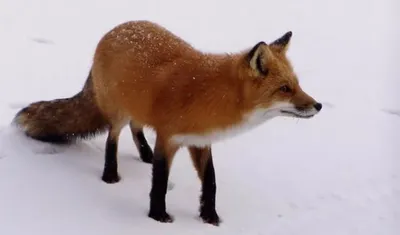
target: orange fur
145 73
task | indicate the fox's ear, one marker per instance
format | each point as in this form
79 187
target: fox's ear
257 58
282 44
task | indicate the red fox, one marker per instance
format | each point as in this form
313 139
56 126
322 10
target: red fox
146 76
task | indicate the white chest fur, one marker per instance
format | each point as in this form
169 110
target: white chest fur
250 121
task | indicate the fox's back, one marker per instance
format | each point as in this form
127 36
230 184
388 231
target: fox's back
141 43
129 62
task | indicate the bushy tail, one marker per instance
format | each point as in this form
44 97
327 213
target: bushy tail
63 120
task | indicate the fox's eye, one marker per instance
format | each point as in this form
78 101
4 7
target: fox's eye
285 89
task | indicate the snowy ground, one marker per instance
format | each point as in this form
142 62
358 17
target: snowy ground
335 174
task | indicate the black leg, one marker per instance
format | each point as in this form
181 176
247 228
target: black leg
161 164
146 154
207 199
202 160
110 172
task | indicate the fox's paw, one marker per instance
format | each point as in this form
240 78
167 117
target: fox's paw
162 217
111 177
210 217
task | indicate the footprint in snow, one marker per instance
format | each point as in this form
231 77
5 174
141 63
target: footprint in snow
391 111
42 41
46 149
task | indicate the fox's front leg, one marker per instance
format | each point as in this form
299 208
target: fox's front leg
162 160
202 161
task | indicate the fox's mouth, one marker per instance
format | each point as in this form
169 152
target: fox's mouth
299 115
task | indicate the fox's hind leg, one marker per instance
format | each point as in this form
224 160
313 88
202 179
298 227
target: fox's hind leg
203 162
146 154
110 171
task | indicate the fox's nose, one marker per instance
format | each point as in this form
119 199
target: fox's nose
318 106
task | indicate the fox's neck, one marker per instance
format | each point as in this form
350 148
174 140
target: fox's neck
225 107
225 90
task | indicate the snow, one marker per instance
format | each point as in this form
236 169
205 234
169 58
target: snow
334 174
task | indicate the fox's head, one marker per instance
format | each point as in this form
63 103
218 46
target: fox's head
271 84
